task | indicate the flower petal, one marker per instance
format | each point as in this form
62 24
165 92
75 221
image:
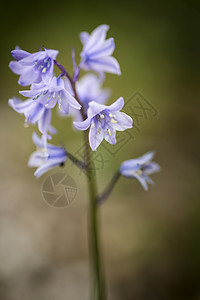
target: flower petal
19 54
142 180
16 67
123 121
19 105
36 112
28 76
117 105
66 96
147 157
97 36
48 165
94 109
151 168
84 37
103 64
105 49
45 121
110 136
96 136
84 125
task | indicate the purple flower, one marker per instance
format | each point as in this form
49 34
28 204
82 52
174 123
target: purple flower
96 53
89 89
55 156
140 168
51 93
104 121
33 67
34 112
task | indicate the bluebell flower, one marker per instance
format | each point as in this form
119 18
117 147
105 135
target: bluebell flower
51 93
35 67
140 168
34 112
54 157
104 121
89 89
96 53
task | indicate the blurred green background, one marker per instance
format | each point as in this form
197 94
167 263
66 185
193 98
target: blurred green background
151 240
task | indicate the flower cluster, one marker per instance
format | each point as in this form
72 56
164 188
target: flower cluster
82 98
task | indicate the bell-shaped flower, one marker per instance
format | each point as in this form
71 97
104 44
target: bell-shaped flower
140 169
104 121
51 93
34 112
34 67
96 53
44 161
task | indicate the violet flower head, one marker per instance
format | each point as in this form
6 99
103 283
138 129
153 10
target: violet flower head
104 121
51 93
34 67
44 161
140 169
34 112
96 53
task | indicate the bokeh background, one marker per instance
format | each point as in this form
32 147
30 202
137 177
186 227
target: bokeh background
151 240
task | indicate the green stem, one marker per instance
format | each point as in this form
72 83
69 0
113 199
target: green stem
98 283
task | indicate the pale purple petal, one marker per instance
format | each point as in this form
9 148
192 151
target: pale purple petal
123 121
52 130
117 105
142 181
151 168
94 109
48 166
29 93
84 125
16 67
96 136
84 37
45 121
19 54
110 136
36 113
146 157
28 76
20 106
103 64
51 53
97 37
66 96
105 49
30 60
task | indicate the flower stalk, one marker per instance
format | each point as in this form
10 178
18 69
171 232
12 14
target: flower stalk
97 272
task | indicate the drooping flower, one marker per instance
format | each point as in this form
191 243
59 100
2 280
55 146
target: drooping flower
140 169
96 53
34 67
34 112
51 93
89 89
104 121
44 161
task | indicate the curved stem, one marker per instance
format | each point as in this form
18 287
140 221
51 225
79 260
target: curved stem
76 161
109 188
